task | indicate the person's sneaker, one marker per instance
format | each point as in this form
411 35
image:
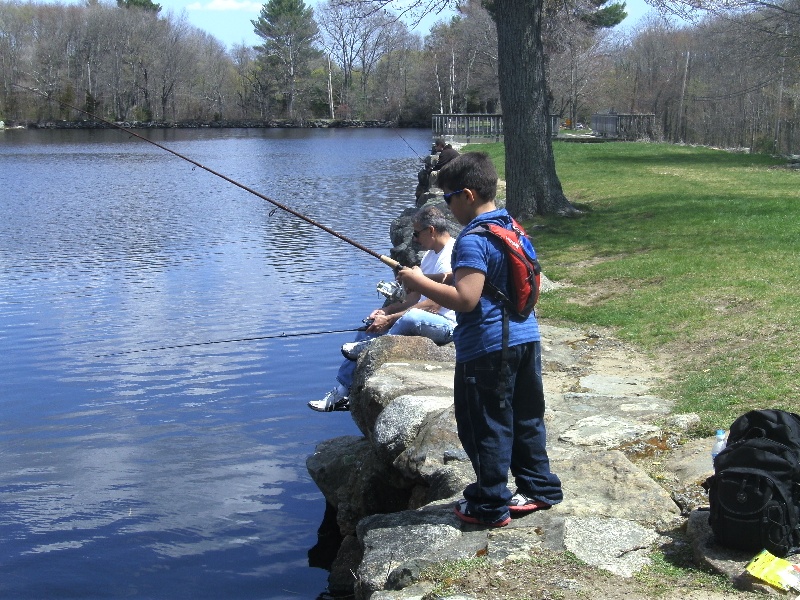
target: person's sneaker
465 514
333 400
352 350
520 504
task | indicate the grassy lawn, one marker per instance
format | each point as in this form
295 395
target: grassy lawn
691 254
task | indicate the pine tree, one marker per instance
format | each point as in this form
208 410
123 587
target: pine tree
288 30
142 4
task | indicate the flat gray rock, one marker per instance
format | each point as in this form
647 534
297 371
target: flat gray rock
606 431
616 545
607 484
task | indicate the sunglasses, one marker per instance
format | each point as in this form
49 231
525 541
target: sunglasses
417 233
448 197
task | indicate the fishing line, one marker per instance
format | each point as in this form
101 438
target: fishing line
384 259
407 144
245 339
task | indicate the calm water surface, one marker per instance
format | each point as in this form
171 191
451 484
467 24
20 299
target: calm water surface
132 468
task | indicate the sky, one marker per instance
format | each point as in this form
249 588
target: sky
229 20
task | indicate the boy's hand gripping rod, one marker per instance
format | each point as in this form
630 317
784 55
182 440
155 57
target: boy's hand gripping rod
384 259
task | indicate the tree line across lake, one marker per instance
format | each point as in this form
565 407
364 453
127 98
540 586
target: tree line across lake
729 79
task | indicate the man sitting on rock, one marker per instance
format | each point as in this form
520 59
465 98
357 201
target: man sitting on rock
441 154
446 153
416 315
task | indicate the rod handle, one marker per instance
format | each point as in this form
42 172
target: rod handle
396 266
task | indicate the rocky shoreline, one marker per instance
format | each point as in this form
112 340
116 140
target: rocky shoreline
221 124
391 490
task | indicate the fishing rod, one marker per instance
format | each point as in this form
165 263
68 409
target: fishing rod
245 339
407 144
384 259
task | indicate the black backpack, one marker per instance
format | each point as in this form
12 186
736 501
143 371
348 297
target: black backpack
755 490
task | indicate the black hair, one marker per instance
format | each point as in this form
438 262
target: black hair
473 170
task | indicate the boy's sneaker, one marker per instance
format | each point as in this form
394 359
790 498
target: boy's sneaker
333 400
465 514
520 504
352 350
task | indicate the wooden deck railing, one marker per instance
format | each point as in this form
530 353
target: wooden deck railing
469 127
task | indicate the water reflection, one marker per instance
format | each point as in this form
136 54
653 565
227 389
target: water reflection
178 472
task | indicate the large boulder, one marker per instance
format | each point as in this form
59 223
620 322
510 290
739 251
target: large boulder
727 561
436 460
398 366
355 481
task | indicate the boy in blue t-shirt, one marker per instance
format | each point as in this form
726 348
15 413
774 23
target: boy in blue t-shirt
500 423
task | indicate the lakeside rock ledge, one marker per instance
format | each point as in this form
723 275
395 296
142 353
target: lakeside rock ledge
393 488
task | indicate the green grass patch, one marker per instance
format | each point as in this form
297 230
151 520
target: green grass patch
690 253
546 573
497 153
446 574
663 575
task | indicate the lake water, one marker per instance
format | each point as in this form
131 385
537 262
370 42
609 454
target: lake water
133 468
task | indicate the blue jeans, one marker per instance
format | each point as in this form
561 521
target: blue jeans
413 322
502 428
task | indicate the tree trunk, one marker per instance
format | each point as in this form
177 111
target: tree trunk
330 88
532 186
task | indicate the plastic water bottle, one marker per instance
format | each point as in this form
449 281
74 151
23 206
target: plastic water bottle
719 444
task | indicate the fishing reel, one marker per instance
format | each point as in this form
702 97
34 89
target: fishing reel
392 290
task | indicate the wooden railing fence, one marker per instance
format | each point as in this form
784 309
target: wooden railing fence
470 127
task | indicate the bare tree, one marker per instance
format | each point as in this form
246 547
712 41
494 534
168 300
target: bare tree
123 63
15 40
358 38
465 55
253 88
442 45
396 72
375 40
338 25
732 98
727 80
482 93
654 64
211 81
172 60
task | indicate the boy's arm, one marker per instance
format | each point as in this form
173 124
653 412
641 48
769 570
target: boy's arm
462 296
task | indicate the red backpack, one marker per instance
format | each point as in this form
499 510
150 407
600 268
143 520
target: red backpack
524 272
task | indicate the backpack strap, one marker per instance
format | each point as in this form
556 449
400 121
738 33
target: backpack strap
490 290
505 369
